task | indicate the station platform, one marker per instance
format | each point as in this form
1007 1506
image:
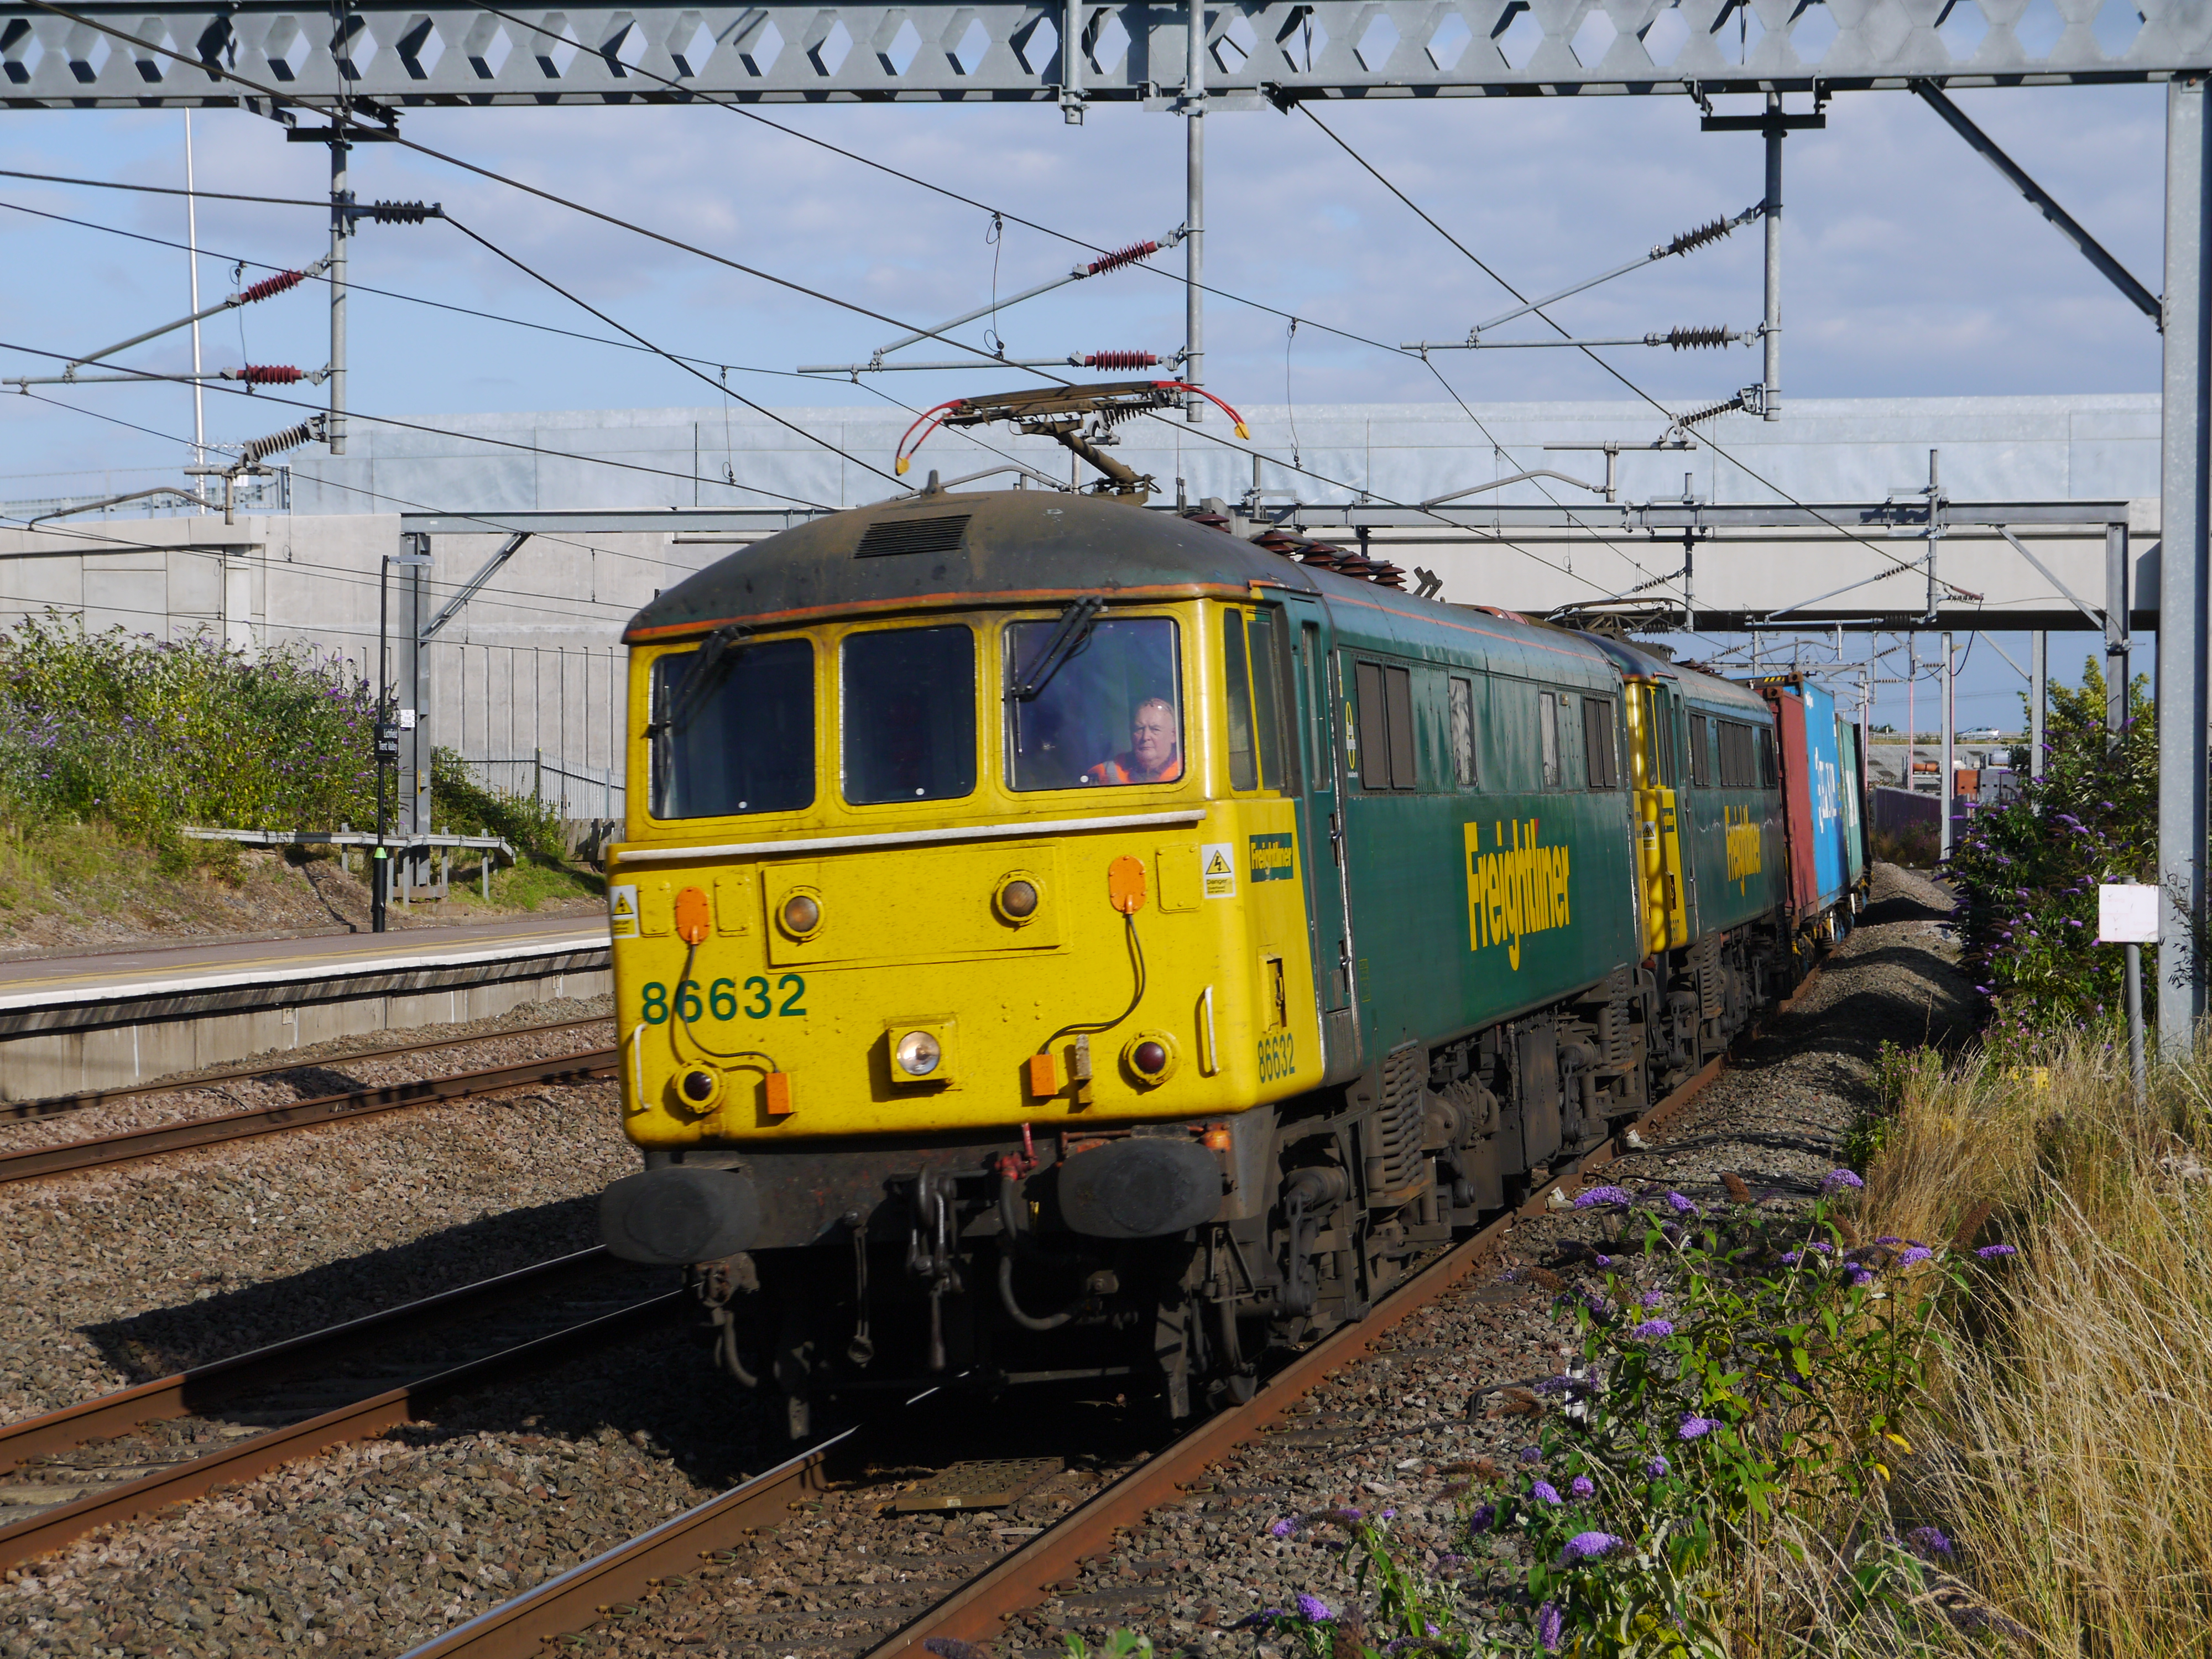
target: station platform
103 1021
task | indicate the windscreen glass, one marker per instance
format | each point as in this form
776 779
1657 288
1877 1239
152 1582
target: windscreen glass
732 730
909 714
1111 712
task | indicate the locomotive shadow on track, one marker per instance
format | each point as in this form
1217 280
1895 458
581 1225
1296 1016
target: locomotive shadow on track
163 1341
647 1390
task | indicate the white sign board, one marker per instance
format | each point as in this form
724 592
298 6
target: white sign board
2127 914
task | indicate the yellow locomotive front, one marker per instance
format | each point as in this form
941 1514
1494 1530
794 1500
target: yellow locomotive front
960 925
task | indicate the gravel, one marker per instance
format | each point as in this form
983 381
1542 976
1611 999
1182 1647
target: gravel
334 1068
116 1276
373 1547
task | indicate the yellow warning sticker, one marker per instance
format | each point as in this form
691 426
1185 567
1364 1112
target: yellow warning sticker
622 911
1217 864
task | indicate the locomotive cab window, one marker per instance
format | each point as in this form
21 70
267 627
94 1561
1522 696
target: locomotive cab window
1253 671
1104 704
908 701
732 729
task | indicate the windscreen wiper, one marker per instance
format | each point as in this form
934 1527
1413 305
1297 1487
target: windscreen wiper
716 655
1067 638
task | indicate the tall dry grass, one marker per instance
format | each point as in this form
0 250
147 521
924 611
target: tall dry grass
2068 1447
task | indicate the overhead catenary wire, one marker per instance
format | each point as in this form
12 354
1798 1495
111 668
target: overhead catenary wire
1641 394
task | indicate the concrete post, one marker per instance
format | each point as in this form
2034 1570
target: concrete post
2181 566
1771 393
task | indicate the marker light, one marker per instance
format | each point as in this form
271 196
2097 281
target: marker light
698 1088
801 915
917 1054
1149 1058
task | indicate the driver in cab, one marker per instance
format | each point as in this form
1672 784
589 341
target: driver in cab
1154 754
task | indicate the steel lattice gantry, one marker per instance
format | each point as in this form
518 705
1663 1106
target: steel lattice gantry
796 51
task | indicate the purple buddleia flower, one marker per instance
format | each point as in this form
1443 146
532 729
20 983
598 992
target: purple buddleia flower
1588 1546
1822 1246
1680 1205
1656 1469
1313 1607
1544 1493
1482 1518
1389 1515
1928 1543
1652 1299
1652 1329
1583 1486
1532 1454
1596 1197
1602 1260
1696 1428
1995 1252
1286 1526
1550 1624
1836 1179
1918 1253
1448 1560
1859 1277
1889 1238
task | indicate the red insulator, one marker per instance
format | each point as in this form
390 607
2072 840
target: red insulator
268 375
1119 359
1120 257
271 285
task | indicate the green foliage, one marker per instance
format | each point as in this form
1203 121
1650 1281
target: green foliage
2029 872
464 805
148 735
1893 1067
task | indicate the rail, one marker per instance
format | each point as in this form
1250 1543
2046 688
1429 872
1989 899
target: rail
53 1105
103 1151
191 1393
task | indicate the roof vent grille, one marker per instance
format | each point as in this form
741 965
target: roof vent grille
941 534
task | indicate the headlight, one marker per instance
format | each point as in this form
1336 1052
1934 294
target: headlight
801 915
1017 899
917 1054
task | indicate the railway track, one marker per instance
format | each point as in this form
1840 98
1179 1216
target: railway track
101 1150
140 1449
667 1575
53 1105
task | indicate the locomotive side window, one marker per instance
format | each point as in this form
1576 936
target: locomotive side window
1599 743
1462 732
1109 711
1386 747
1701 752
909 697
732 730
1548 734
1766 774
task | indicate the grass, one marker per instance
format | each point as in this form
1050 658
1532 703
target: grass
536 881
2068 1440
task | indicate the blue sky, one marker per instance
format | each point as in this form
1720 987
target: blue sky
1910 268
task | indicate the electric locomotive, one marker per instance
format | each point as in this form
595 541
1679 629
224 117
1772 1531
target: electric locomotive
1058 939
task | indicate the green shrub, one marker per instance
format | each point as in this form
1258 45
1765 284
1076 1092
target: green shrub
2029 872
462 803
149 735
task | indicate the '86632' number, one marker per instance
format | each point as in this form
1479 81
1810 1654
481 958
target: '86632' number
726 1000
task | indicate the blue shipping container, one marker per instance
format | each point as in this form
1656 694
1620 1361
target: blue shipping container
1824 772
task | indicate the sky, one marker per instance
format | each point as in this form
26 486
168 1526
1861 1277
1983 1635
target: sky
1910 268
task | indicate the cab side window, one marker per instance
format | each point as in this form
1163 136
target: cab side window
1701 752
1252 664
1601 742
1385 697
